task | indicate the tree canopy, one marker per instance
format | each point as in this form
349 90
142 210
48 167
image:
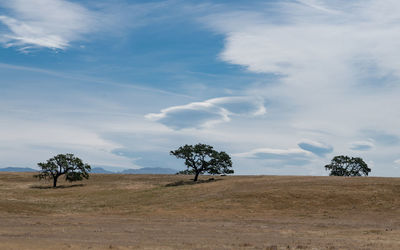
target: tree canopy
202 158
347 166
63 164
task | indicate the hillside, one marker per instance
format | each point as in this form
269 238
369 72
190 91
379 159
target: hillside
122 211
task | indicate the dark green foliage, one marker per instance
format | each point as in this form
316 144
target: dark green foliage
202 158
63 164
186 172
346 166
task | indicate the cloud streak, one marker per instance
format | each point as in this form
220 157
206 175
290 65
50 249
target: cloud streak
279 157
362 145
317 148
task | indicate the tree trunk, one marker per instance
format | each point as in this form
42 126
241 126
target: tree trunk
55 181
196 176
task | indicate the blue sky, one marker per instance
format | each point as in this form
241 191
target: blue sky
282 86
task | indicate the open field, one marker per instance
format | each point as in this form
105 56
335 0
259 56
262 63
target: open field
234 212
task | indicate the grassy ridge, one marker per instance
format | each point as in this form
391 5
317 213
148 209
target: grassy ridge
233 212
242 195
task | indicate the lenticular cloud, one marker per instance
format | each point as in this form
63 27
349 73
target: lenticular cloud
209 112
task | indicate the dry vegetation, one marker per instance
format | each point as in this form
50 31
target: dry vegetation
234 212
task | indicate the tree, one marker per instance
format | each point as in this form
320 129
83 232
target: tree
63 164
346 166
202 158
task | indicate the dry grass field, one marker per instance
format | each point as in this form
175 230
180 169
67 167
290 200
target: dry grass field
233 212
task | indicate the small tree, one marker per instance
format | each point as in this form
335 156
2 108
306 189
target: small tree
202 158
63 164
346 166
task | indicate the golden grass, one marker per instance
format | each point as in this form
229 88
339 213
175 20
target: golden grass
247 212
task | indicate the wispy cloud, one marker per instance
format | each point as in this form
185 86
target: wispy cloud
318 148
312 37
279 157
209 112
361 145
56 24
382 137
45 23
87 78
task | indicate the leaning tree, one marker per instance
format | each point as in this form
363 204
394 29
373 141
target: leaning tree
347 166
63 164
202 158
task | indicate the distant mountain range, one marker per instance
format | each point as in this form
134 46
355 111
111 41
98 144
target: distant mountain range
98 170
13 169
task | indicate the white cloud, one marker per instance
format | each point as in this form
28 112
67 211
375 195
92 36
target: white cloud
382 137
361 145
56 24
279 157
315 43
334 70
271 152
209 112
318 148
42 140
45 23
312 39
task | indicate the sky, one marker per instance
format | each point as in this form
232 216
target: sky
282 86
